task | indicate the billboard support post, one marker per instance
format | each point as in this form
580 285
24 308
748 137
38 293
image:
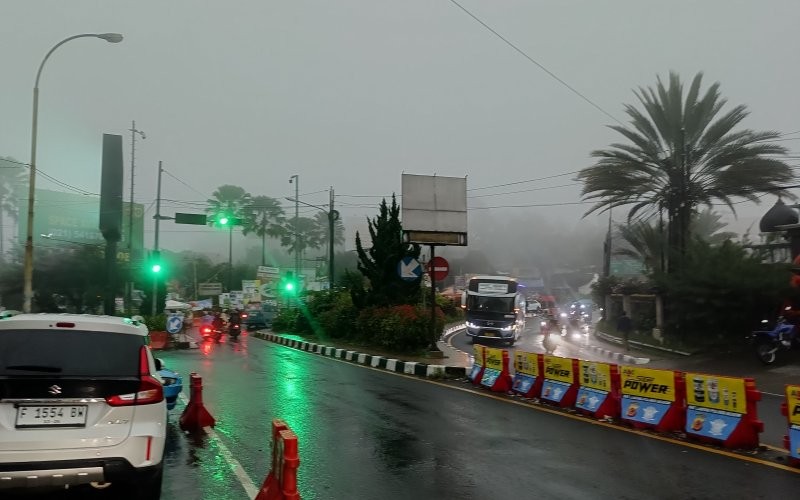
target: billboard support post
434 212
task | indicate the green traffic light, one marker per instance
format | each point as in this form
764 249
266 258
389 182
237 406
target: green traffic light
223 220
289 287
156 268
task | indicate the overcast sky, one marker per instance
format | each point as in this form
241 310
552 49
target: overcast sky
351 93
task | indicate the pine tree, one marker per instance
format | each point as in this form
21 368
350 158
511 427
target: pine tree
378 264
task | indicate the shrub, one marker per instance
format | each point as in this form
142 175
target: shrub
157 323
285 320
403 328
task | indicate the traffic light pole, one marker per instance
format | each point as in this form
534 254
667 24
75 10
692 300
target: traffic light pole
157 217
230 256
331 229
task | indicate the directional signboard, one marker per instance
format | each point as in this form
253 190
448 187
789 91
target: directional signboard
439 267
409 269
209 288
175 323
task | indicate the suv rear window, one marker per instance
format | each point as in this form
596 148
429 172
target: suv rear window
69 353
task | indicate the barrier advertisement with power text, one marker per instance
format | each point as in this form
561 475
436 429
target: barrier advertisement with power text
558 377
494 366
793 413
595 384
526 371
647 394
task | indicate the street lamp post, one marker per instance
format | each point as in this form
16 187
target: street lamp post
296 179
333 215
28 265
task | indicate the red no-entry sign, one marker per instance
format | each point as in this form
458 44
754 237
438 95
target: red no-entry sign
438 268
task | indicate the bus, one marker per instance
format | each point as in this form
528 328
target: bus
495 309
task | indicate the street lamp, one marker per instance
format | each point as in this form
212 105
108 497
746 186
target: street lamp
333 215
28 268
296 180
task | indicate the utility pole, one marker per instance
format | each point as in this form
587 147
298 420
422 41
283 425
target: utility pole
157 217
230 254
296 180
129 285
332 215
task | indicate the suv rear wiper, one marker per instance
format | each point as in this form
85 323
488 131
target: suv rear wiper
35 368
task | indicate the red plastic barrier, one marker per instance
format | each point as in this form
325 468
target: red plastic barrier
528 370
159 340
497 373
478 365
790 408
722 410
281 481
653 399
599 389
195 417
560 385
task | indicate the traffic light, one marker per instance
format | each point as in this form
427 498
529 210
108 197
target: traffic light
224 219
155 262
289 284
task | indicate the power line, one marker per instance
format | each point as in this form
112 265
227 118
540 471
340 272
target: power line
182 182
534 205
529 58
524 190
525 181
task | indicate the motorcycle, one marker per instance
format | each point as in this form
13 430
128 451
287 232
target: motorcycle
210 333
550 340
783 336
233 331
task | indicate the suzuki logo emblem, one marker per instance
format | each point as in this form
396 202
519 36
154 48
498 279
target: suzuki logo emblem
490 323
54 390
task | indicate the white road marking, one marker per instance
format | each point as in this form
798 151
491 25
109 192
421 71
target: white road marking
249 487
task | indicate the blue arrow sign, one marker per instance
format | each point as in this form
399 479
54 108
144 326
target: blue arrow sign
409 269
174 324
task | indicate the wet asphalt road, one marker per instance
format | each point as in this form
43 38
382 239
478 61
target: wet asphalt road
738 362
366 434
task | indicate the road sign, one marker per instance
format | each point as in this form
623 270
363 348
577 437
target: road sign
209 288
175 323
266 270
409 269
196 219
439 268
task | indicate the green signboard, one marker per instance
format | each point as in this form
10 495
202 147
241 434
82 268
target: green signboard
63 218
626 266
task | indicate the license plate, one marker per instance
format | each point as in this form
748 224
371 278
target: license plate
489 334
51 416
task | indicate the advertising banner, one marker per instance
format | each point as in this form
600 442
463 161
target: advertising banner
793 414
526 371
558 377
595 385
715 404
477 364
647 394
494 366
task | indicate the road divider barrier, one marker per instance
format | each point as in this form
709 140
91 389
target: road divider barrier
478 366
496 374
528 369
653 399
791 409
195 417
598 389
722 410
560 385
159 340
281 480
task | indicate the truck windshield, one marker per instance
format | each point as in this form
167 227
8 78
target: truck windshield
490 304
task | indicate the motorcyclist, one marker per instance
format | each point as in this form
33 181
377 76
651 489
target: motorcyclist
234 323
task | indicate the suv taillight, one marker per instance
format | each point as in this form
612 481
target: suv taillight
150 390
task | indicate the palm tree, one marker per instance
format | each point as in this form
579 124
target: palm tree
647 241
264 216
12 177
228 201
309 235
680 155
321 219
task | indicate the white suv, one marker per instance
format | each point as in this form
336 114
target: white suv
80 403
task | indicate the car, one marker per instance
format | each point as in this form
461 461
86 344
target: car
8 313
80 404
172 382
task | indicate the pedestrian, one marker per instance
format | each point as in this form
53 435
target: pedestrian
624 326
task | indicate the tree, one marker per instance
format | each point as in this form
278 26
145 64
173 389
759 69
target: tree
646 241
264 216
12 178
230 201
378 263
680 155
308 235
